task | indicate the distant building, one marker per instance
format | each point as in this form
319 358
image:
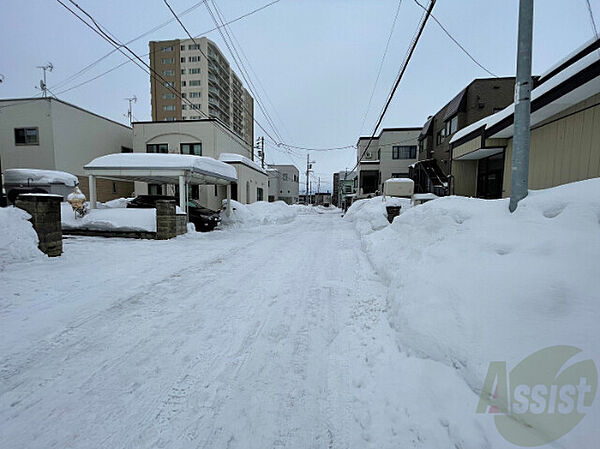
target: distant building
203 76
321 199
388 156
51 134
283 183
565 137
206 137
344 185
481 98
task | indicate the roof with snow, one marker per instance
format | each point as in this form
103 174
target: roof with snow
234 158
160 168
570 81
32 176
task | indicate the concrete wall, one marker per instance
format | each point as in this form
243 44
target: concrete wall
387 140
562 151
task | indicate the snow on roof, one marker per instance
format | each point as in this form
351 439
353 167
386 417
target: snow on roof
560 62
425 196
158 161
568 72
238 158
35 176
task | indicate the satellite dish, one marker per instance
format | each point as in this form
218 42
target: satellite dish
50 66
42 85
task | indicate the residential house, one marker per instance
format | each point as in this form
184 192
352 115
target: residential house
481 98
204 137
51 134
565 133
283 183
387 156
344 184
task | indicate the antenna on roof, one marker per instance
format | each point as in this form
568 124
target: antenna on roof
129 114
43 87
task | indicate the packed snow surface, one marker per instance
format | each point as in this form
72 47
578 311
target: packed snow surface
110 219
299 334
18 240
148 161
36 177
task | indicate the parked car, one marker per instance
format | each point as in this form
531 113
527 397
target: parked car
204 219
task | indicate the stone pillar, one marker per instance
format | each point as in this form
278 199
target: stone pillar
165 220
45 218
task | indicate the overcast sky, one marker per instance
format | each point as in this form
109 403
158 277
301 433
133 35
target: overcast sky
317 59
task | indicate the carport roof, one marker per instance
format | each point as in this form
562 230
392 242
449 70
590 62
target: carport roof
158 168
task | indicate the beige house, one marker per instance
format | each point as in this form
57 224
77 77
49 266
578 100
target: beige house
284 183
565 133
51 134
205 137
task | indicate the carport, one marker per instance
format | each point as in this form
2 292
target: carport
176 169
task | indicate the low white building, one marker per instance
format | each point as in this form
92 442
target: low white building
204 137
50 134
284 183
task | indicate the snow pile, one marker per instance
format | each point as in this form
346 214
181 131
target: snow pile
114 204
30 176
471 283
370 214
260 212
18 240
110 219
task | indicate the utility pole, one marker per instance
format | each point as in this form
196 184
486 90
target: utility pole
308 170
49 67
519 182
260 146
129 114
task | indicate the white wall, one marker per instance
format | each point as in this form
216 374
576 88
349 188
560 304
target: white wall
387 140
285 189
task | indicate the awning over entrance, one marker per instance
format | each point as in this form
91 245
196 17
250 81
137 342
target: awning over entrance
178 169
480 153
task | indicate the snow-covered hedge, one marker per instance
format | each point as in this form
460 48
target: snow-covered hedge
472 283
370 215
18 240
260 212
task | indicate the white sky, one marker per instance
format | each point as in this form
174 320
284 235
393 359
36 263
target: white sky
318 59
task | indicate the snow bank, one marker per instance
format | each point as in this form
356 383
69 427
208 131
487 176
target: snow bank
260 212
18 240
370 214
471 283
36 177
110 219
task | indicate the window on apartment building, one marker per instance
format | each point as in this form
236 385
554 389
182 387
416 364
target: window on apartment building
194 59
169 119
182 59
439 137
183 107
168 72
167 49
169 84
284 176
195 106
183 95
169 107
451 126
194 71
194 94
126 150
191 148
26 136
194 47
157 148
167 60
182 47
404 152
195 83
168 96
183 84
183 71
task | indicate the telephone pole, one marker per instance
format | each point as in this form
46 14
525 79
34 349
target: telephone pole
519 182
48 67
129 114
260 146
308 170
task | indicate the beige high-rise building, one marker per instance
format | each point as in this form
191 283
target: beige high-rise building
203 76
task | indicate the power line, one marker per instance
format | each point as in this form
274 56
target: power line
387 45
589 7
399 78
453 39
318 149
156 28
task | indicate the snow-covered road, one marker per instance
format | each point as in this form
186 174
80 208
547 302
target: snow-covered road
258 338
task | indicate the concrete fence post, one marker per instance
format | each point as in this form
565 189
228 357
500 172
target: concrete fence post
45 218
166 227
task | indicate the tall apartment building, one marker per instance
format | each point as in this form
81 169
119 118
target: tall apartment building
203 76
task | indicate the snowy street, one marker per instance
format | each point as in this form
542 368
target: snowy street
229 339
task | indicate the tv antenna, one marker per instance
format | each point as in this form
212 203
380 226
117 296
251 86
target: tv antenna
44 88
129 114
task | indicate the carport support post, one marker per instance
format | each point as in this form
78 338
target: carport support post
228 210
182 194
93 197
